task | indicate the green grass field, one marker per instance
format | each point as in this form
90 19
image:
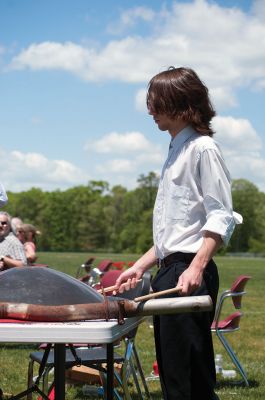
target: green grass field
249 341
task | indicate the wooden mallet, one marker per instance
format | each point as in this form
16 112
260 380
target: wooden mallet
111 288
158 294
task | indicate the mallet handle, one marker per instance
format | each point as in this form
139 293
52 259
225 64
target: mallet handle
158 294
111 288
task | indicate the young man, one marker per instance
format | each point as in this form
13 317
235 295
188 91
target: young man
192 218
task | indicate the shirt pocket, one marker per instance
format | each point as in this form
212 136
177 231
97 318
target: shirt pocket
178 201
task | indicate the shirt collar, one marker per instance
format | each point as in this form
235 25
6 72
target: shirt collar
181 137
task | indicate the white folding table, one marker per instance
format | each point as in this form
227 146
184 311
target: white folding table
61 333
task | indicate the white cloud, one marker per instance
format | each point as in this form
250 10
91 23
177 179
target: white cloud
249 166
130 17
51 55
242 148
140 100
118 143
116 166
154 158
240 143
259 9
136 155
225 51
237 133
21 171
225 45
223 98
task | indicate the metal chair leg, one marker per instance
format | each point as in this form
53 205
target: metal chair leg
124 379
139 368
136 381
30 378
232 356
45 380
104 385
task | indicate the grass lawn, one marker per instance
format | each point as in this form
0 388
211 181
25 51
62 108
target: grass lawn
249 341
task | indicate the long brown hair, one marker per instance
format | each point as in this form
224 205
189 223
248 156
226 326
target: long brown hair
179 92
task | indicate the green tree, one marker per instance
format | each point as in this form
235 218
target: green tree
95 217
115 217
246 201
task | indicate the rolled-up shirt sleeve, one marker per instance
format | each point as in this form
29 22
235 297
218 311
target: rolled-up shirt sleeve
3 195
217 198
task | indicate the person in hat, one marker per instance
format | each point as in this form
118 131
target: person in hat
27 234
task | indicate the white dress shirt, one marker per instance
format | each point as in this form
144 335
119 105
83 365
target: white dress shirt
194 195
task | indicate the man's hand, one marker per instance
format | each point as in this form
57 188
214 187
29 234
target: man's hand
192 277
128 279
190 280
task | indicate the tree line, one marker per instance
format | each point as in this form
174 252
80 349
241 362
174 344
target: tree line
96 217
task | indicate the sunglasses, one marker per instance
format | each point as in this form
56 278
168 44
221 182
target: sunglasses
4 223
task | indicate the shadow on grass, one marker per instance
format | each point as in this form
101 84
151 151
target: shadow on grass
156 395
231 384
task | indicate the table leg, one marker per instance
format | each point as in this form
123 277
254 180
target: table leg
110 371
59 371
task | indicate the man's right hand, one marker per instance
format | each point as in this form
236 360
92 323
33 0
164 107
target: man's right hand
128 279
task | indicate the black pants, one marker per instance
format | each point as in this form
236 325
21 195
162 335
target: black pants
184 348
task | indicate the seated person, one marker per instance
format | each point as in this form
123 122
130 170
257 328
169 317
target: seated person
27 233
12 252
16 222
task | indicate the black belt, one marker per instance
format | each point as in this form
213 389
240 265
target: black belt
175 257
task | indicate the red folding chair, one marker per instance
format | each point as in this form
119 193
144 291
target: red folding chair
104 265
230 324
86 266
118 265
109 278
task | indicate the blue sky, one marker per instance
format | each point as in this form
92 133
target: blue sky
73 78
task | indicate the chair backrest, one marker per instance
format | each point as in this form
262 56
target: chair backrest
237 289
118 265
88 264
235 292
104 265
85 266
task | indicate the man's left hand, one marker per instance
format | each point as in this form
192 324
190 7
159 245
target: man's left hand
190 280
